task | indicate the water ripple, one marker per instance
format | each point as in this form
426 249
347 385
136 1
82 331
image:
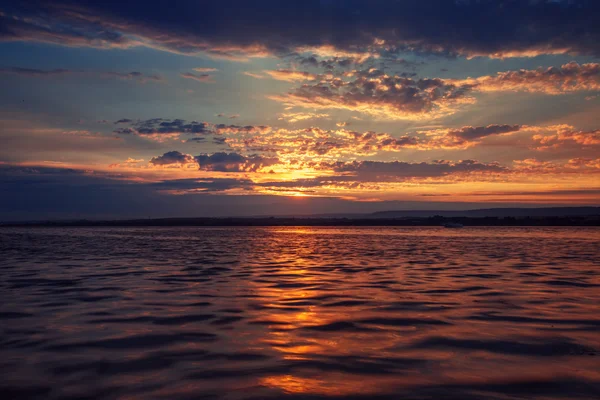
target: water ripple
300 313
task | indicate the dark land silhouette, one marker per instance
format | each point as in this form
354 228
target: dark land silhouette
552 216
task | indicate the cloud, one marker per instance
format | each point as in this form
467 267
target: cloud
85 134
173 158
200 186
71 193
329 62
373 92
471 132
81 193
533 166
566 135
253 75
380 95
378 170
35 72
218 162
316 143
230 116
331 144
32 72
135 75
354 179
127 163
343 171
291 76
234 162
204 78
237 30
221 129
320 144
466 136
160 129
581 162
196 139
123 121
205 70
299 116
568 78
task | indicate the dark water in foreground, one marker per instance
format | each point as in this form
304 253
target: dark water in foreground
239 313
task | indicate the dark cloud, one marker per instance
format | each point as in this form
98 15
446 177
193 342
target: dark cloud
161 129
357 174
467 136
219 162
204 78
158 126
172 157
373 92
375 175
35 72
329 64
135 75
377 170
18 171
230 116
478 132
73 194
403 96
202 185
227 28
125 131
570 77
234 162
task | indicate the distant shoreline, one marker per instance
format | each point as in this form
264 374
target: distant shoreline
317 221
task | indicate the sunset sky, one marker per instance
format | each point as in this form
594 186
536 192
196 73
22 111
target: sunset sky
212 108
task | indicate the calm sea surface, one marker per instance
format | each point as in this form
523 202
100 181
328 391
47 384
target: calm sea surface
240 313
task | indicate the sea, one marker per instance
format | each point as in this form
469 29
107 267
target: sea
300 313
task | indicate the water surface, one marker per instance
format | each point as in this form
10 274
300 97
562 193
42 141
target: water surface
259 313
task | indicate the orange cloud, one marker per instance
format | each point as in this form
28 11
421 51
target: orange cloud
291 76
575 165
130 162
253 75
299 116
565 134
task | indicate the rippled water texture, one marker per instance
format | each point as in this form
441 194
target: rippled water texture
238 313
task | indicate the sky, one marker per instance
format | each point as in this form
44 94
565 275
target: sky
136 109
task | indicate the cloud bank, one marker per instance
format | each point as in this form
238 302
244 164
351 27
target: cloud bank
237 29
